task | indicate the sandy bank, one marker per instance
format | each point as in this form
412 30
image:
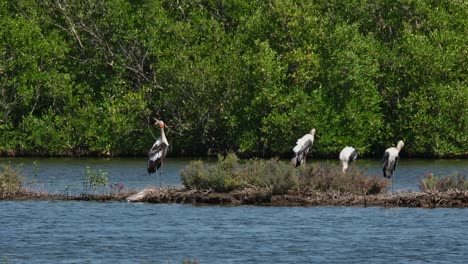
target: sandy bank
456 199
261 197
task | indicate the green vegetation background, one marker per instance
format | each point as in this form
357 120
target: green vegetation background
85 77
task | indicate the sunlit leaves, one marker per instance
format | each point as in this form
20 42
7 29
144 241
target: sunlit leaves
86 77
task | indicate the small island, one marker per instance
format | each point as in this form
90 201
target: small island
445 199
264 183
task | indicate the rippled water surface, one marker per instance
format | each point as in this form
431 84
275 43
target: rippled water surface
121 232
83 232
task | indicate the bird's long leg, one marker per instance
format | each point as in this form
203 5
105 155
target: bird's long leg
393 176
160 174
157 177
160 177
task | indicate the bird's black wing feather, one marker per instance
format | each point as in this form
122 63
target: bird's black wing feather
385 162
298 159
305 148
154 163
302 154
353 156
156 148
385 158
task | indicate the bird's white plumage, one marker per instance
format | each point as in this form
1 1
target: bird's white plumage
302 142
391 158
392 155
302 148
347 155
158 151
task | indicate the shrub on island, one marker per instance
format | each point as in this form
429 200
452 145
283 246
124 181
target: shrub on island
10 180
443 183
278 177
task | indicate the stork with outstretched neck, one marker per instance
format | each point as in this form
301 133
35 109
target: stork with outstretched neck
303 145
159 150
347 156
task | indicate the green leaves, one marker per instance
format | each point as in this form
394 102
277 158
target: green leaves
80 77
94 180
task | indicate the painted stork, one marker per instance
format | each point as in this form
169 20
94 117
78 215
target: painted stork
347 156
302 148
159 150
390 160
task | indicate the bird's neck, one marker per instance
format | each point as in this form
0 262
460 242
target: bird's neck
163 135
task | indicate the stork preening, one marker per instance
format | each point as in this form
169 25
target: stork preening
159 150
347 156
390 160
303 145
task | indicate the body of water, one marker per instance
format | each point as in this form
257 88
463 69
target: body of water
87 232
57 174
121 232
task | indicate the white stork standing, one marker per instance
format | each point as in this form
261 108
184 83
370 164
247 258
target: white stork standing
302 148
347 156
390 160
159 150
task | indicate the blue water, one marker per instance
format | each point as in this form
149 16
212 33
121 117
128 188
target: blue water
121 232
58 174
84 232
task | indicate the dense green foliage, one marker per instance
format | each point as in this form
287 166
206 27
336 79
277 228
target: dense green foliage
277 177
81 77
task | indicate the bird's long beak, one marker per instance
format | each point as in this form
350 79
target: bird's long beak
158 122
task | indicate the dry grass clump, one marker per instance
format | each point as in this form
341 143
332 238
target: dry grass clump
278 177
10 180
11 185
220 177
433 183
273 175
328 178
229 174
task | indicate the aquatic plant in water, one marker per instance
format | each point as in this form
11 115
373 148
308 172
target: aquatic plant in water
94 180
116 187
